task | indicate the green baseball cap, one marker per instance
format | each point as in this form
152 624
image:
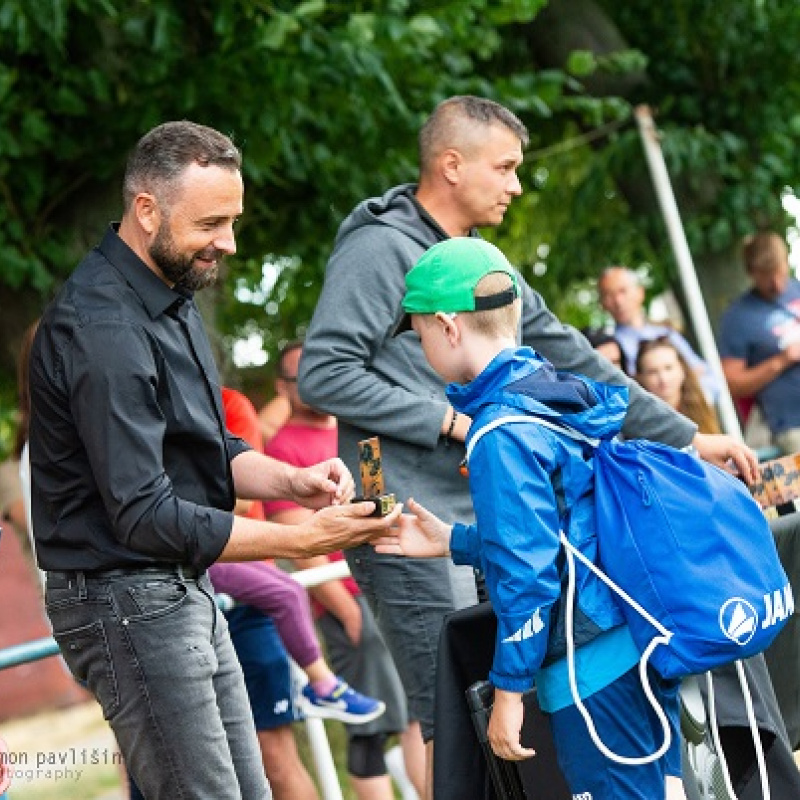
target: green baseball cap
445 277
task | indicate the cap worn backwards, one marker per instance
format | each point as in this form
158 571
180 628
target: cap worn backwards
445 277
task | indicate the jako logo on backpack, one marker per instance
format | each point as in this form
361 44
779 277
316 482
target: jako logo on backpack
687 541
738 620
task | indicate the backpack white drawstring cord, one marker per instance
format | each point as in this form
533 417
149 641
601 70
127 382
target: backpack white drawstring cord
573 684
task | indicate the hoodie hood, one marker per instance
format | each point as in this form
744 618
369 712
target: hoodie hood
397 209
521 379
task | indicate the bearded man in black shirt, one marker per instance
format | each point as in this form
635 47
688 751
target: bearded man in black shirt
134 477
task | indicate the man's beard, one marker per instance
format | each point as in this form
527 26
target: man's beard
179 269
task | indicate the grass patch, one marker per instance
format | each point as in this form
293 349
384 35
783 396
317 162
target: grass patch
99 783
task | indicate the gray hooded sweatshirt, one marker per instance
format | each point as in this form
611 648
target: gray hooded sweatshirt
377 384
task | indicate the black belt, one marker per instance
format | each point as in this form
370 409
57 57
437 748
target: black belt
180 571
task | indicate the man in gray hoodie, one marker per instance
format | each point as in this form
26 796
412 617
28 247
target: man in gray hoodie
378 384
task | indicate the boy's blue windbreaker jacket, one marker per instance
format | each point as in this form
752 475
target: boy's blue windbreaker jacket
513 470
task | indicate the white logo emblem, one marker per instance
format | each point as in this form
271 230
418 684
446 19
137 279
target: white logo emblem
529 629
281 707
738 620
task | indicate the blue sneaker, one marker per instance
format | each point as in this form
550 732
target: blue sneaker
343 703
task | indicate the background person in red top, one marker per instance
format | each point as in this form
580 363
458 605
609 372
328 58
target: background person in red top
355 647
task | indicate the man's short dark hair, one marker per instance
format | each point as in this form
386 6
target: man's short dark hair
162 154
289 347
765 251
600 336
441 128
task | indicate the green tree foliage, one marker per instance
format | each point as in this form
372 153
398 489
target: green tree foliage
722 82
326 99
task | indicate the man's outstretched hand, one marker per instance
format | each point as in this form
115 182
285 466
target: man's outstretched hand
721 449
340 526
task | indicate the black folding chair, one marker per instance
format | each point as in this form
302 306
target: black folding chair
537 778
464 766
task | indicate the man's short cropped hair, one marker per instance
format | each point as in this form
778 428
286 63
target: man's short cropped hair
454 120
289 347
764 252
161 156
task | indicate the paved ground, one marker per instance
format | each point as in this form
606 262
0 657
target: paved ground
65 754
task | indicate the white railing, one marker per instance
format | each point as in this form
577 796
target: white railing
315 728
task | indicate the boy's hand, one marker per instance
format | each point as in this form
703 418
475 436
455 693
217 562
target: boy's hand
422 535
505 726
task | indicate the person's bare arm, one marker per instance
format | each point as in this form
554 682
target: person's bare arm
14 512
14 515
333 595
259 477
273 416
326 530
745 381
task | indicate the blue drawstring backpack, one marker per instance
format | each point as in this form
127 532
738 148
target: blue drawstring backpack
687 541
687 549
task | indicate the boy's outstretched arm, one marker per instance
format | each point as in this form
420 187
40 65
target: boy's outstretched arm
419 535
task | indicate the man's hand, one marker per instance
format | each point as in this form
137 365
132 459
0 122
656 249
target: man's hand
505 726
324 484
422 535
719 449
792 352
341 526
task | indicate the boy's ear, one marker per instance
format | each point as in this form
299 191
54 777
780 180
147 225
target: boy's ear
449 327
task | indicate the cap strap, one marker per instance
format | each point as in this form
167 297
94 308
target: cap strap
490 301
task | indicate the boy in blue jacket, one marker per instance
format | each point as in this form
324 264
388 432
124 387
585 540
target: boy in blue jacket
529 482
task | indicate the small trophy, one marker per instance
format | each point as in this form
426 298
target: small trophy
372 485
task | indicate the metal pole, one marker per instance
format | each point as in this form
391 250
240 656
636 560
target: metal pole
315 728
323 759
680 248
318 743
27 652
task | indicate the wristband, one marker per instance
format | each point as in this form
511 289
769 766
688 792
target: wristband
449 435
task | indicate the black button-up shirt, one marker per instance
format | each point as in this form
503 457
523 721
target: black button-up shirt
130 457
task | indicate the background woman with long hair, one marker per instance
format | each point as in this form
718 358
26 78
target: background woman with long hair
662 370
